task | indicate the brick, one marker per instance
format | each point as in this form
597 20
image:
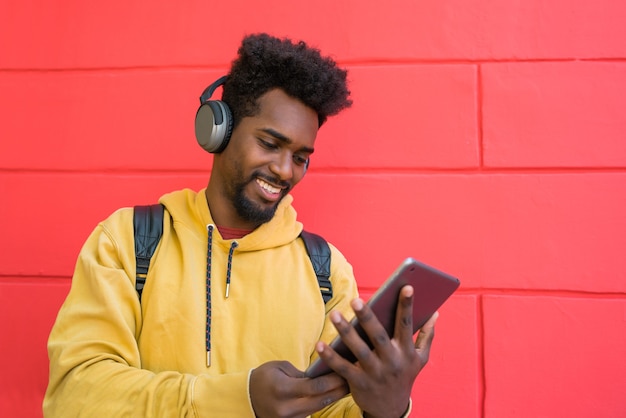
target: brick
51 215
517 231
483 29
552 356
28 308
509 231
405 116
454 362
102 120
559 114
145 119
76 35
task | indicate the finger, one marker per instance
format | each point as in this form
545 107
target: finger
328 389
403 330
336 362
374 330
325 384
312 395
323 391
289 369
274 390
352 340
322 401
426 335
317 393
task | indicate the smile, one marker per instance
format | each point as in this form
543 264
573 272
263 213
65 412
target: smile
268 187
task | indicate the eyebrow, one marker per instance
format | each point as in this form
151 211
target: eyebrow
283 138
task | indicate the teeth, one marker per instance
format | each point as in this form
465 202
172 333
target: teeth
268 186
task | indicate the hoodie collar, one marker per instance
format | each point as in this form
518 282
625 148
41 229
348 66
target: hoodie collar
192 210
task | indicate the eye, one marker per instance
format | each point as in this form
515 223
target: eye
299 159
267 144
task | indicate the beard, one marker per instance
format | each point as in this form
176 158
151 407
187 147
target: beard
252 211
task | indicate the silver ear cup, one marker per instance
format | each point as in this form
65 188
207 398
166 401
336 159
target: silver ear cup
213 126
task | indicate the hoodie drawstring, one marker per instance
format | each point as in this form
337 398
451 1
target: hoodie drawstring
208 295
233 245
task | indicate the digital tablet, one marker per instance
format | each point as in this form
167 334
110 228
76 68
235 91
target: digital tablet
431 289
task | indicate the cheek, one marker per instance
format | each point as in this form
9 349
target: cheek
237 155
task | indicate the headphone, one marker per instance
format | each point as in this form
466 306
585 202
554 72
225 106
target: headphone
214 121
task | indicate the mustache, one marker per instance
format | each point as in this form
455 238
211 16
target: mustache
285 185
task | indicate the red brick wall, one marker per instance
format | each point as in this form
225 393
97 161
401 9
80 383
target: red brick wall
487 139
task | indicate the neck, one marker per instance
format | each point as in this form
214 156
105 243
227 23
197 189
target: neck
223 212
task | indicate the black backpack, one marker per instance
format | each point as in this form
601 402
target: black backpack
148 228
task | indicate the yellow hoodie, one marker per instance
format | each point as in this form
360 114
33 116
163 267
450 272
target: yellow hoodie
111 355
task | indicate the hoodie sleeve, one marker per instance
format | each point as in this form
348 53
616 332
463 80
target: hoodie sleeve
95 365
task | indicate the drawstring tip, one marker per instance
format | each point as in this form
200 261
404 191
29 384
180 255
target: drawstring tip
233 245
208 358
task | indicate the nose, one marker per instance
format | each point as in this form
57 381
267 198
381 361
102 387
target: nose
282 166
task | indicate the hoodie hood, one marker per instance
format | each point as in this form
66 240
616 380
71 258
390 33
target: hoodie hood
191 209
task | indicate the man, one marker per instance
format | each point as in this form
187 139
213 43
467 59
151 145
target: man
231 313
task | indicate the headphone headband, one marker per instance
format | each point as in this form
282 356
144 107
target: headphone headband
208 92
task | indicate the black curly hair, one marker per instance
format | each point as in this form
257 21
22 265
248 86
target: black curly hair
265 62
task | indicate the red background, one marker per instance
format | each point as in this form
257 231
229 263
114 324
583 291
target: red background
487 138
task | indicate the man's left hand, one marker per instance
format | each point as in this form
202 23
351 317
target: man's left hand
382 379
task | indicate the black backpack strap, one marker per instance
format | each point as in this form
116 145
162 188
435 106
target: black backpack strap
319 253
148 228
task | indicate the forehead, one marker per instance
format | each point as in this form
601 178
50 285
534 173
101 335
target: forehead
286 115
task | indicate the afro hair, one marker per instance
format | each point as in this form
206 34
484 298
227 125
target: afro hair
265 62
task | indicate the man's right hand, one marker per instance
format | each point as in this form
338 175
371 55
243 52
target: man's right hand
278 389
